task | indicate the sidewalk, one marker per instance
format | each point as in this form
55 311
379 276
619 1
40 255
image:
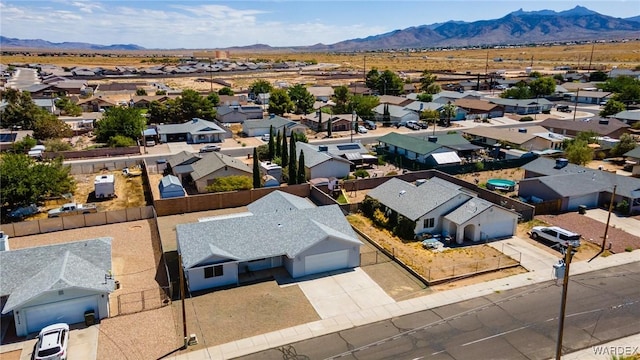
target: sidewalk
535 260
627 346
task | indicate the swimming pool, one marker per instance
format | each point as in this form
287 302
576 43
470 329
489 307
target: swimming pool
501 184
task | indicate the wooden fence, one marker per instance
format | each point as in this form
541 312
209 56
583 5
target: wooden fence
48 225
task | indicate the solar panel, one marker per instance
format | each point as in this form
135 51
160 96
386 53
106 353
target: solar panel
348 147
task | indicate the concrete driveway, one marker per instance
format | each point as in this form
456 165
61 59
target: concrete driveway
627 224
83 344
342 293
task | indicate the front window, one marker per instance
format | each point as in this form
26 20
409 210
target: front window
213 271
429 223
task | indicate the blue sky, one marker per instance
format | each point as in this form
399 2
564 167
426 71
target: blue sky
195 24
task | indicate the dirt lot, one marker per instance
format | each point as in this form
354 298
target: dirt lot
432 264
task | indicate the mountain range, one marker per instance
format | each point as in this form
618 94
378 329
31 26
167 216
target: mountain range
518 27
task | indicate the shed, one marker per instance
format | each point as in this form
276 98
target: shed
170 187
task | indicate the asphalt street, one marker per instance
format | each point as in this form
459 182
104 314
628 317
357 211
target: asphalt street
517 324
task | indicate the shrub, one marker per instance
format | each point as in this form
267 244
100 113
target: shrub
526 118
120 141
601 155
231 183
381 161
56 145
622 207
361 173
392 173
479 166
628 249
379 218
405 229
369 206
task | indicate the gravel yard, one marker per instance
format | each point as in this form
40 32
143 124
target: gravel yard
593 230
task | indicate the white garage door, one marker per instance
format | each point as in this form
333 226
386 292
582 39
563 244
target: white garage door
68 311
498 228
590 200
314 264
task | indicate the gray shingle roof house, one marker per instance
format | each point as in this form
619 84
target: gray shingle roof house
397 113
194 132
439 207
236 113
214 165
576 185
628 117
282 230
56 283
604 127
523 106
261 127
319 162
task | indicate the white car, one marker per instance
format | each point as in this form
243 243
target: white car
52 343
210 148
362 129
556 235
265 137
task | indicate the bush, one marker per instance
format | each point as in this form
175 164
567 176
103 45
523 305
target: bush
380 219
600 155
526 118
622 207
405 229
361 173
479 166
56 145
231 183
120 141
392 173
628 249
369 206
381 161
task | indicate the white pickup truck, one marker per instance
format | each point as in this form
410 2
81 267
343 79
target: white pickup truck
72 209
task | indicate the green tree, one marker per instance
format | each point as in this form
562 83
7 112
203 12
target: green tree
598 76
448 112
56 145
161 92
127 122
271 144
611 108
426 80
303 100
626 144
256 170
141 92
67 107
424 97
429 115
292 163
579 152
50 127
225 91
26 181
230 183
626 88
390 83
120 141
405 229
193 105
543 86
278 140
24 145
259 86
520 91
341 97
433 89
372 78
301 178
214 99
558 77
284 153
20 111
386 116
364 105
280 102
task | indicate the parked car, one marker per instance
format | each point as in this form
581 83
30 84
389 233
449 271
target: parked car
413 125
150 143
401 123
362 129
556 235
371 125
72 209
563 108
24 211
210 148
265 137
52 343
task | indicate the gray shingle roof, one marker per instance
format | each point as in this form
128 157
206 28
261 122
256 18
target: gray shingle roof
195 126
277 122
592 125
635 153
575 184
279 201
313 157
468 210
597 179
262 235
412 201
212 162
27 273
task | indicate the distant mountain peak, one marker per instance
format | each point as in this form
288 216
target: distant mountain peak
576 11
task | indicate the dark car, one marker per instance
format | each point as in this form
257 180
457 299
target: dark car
401 123
23 211
563 108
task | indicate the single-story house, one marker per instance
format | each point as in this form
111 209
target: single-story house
144 101
95 104
193 132
216 165
604 127
47 104
475 109
440 207
180 164
262 127
421 150
628 117
527 138
238 113
394 100
321 93
397 113
171 187
523 106
320 163
339 122
446 96
575 185
56 283
282 230
633 158
588 97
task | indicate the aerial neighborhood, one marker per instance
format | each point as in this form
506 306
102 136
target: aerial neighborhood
217 204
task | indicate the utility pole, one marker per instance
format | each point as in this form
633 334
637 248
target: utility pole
591 57
606 229
575 104
182 296
563 305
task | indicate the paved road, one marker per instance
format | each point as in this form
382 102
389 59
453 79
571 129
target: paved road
23 78
516 324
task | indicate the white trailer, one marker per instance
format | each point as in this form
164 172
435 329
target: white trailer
105 186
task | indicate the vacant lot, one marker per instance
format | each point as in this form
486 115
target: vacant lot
432 264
